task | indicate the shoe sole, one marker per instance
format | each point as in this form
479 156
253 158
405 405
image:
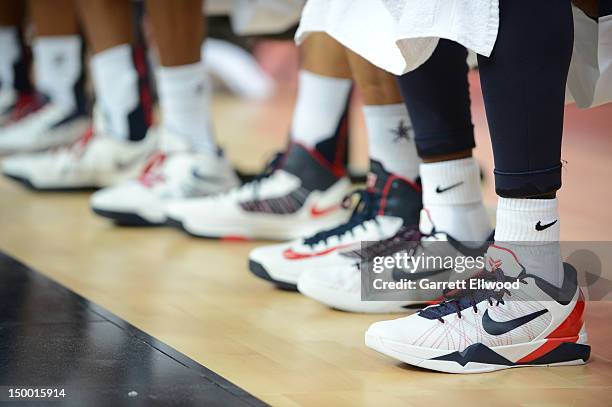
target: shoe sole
473 358
345 302
259 270
28 184
125 218
175 223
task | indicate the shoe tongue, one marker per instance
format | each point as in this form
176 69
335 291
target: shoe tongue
314 172
504 258
399 198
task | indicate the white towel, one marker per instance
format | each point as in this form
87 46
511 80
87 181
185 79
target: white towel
399 35
252 17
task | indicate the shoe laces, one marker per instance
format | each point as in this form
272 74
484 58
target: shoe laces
455 301
365 210
253 185
151 173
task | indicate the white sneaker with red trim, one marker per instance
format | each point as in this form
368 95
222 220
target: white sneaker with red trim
175 172
96 160
530 322
382 210
48 126
297 195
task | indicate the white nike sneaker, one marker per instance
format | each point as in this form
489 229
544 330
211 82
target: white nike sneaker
50 126
527 322
384 207
94 161
175 172
295 197
340 287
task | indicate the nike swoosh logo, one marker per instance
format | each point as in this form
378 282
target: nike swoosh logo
501 327
290 254
440 190
539 227
316 212
207 178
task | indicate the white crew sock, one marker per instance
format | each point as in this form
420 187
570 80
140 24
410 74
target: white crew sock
531 229
115 82
58 68
321 101
452 196
184 93
10 51
391 139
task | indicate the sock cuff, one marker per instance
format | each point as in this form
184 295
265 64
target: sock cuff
451 182
392 110
305 75
57 41
527 220
181 72
526 205
112 58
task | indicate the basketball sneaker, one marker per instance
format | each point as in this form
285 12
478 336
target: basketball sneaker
497 326
50 125
297 195
95 160
340 287
388 203
174 172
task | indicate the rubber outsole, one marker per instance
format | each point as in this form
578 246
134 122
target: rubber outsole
26 182
126 219
258 270
477 358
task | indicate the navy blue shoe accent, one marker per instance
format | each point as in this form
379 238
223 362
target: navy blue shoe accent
335 148
125 219
480 353
141 118
259 270
563 353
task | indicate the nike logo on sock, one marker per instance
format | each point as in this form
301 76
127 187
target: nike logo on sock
539 227
440 190
501 327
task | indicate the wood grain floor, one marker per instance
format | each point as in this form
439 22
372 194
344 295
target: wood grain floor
198 296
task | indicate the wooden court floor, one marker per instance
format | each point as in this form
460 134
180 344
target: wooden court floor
198 296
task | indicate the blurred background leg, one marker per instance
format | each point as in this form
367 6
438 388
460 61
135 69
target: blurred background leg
118 66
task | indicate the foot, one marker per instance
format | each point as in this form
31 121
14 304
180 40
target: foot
482 330
340 287
31 127
296 196
175 172
96 160
387 205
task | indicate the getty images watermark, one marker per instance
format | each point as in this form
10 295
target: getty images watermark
429 270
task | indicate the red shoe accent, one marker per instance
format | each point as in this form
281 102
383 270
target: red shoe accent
572 324
316 212
567 331
235 238
291 255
